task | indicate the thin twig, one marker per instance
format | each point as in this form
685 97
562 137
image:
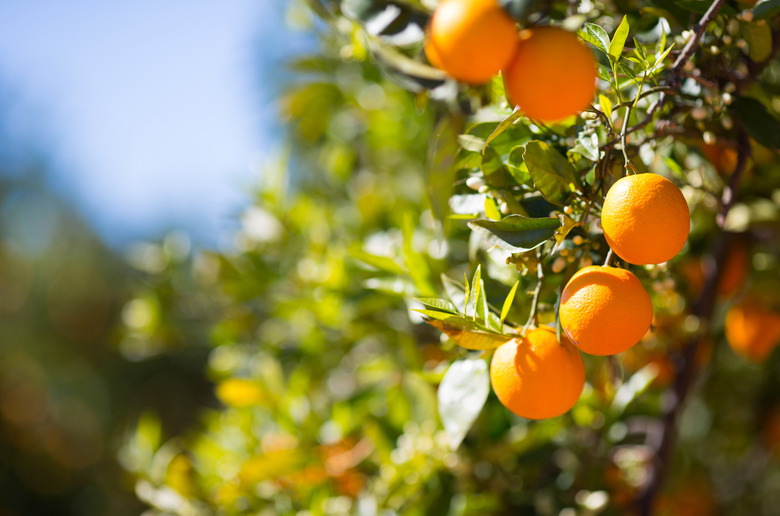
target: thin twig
535 301
608 259
673 79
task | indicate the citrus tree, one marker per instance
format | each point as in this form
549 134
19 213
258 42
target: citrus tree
519 257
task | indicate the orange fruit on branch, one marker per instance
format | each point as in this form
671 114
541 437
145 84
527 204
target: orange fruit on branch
471 40
536 376
605 310
552 74
645 219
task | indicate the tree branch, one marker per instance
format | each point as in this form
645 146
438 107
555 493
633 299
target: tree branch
685 365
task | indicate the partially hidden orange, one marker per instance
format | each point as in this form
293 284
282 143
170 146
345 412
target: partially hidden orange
605 310
552 75
536 376
752 330
471 40
645 219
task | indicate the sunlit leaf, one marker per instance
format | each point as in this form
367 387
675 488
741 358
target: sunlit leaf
441 304
466 333
491 210
562 232
461 395
619 40
476 291
516 233
606 106
510 298
596 36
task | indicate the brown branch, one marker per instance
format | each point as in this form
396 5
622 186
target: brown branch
685 364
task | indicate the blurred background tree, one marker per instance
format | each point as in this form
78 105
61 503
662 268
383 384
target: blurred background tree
327 389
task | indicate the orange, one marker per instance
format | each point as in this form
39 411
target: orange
645 219
605 310
734 275
537 377
752 331
552 75
691 497
471 40
724 159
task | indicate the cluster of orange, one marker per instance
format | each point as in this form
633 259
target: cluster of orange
603 310
548 72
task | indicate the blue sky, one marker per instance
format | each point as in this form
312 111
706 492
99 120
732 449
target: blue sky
152 111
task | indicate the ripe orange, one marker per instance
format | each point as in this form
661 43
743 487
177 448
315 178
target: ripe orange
724 159
752 331
552 75
645 219
471 40
605 310
734 276
537 377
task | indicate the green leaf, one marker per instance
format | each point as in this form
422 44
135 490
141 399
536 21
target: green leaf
588 146
471 143
659 59
510 298
467 334
553 175
502 127
461 395
382 263
604 73
440 164
700 7
566 227
516 233
494 171
596 36
491 210
759 38
640 51
441 304
619 40
415 262
517 167
635 386
767 9
761 125
476 289
606 106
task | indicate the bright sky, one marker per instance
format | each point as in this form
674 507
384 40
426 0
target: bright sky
154 109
